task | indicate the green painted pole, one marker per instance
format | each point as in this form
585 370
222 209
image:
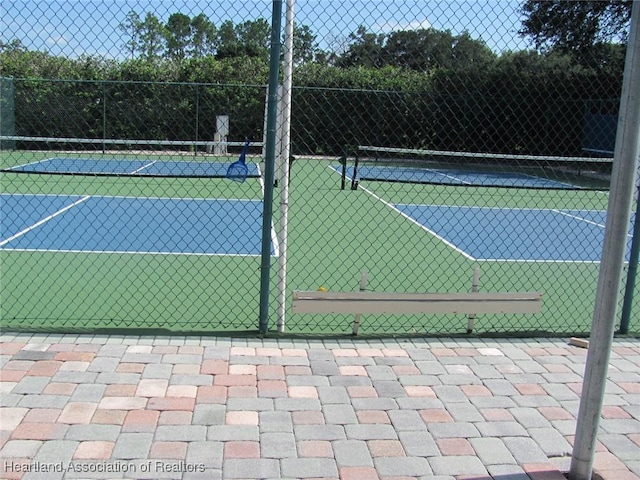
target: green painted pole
269 160
631 273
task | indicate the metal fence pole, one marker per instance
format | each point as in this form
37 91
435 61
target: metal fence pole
270 150
104 116
615 242
625 316
285 150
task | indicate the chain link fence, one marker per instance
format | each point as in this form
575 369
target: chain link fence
432 147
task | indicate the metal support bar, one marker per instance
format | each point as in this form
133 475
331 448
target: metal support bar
475 285
269 173
615 242
363 287
632 272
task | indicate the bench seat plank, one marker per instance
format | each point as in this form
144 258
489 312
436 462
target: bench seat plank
415 303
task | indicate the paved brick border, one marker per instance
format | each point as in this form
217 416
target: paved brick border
190 407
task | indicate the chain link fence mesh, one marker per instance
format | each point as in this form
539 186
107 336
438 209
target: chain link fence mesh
428 141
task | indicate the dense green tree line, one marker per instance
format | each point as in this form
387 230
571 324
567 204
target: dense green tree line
421 88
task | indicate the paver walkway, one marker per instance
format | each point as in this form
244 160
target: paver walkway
112 407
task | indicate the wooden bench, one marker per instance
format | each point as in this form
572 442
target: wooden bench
381 303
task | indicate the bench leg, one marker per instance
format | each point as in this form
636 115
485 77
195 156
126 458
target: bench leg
356 324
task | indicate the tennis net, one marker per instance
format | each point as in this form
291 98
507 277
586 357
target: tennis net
117 157
437 167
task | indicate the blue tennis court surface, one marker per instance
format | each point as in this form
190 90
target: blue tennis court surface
130 224
453 177
146 167
515 234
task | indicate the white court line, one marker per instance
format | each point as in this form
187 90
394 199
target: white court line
44 220
585 220
524 260
578 218
274 234
440 172
175 199
32 163
413 220
129 252
142 168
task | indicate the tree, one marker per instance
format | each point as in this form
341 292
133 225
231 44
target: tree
470 53
365 50
132 26
203 36
14 45
250 38
152 37
304 45
420 50
148 36
575 26
254 36
178 32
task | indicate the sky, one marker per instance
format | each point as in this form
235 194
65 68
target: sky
76 27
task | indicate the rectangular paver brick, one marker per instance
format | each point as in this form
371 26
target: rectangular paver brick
321 367
297 404
93 432
56 451
222 433
275 421
277 445
457 465
319 432
370 432
30 385
77 412
88 393
171 403
247 468
525 450
340 414
207 453
453 430
492 451
308 467
122 403
551 442
133 445
464 412
352 453
419 444
403 466
152 387
501 429
181 433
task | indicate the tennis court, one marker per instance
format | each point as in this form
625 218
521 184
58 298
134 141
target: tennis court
413 236
131 225
515 234
158 240
119 241
93 223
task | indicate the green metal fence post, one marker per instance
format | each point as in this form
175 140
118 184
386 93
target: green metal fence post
104 116
269 170
631 273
